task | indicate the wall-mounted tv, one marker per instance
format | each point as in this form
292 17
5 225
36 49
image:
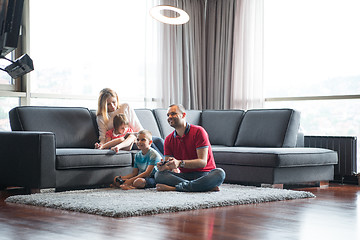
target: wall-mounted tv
10 21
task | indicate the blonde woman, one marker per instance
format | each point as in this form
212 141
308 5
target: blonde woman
108 108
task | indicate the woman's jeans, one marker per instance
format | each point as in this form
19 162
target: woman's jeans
193 181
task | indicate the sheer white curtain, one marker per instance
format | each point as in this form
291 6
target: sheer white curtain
196 57
182 57
247 75
220 16
215 60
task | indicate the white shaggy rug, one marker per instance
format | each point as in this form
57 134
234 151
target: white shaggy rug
119 203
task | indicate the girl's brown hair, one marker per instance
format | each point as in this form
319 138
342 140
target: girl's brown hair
119 120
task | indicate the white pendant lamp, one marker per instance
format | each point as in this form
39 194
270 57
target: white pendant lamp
183 17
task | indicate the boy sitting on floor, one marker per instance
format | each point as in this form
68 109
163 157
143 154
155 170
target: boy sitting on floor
144 165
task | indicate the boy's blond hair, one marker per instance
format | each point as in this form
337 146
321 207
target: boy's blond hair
147 134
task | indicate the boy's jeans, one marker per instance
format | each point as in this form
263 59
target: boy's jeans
193 181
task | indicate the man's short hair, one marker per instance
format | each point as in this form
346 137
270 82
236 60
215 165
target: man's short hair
179 106
147 134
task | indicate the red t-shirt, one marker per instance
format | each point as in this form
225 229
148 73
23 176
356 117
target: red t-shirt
110 133
184 148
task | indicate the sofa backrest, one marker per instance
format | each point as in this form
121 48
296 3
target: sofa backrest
148 121
192 117
269 128
73 126
222 126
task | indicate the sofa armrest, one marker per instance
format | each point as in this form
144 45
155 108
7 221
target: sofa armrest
300 139
27 159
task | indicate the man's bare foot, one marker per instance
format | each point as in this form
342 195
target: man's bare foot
126 187
215 189
163 187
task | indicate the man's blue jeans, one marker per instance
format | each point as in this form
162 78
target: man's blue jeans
193 181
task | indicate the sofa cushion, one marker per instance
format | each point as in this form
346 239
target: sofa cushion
269 128
222 125
192 117
81 158
148 121
274 157
73 126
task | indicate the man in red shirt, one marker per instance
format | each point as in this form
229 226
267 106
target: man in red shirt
187 149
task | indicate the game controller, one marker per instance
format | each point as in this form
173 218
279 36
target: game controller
119 180
163 163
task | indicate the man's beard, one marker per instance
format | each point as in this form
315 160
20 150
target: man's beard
174 122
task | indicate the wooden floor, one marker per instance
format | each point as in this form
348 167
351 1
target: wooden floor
333 214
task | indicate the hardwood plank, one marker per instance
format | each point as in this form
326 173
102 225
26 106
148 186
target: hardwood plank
333 214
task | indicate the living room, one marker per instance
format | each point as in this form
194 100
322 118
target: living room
71 68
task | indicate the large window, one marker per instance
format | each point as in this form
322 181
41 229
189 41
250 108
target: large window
6 103
312 59
81 46
6 82
5 79
312 48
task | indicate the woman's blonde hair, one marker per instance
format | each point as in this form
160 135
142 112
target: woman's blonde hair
102 104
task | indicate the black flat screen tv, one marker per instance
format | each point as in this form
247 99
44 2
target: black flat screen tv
10 21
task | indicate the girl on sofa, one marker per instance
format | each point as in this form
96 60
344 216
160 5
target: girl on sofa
108 108
120 133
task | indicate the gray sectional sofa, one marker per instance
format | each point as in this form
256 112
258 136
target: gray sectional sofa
53 147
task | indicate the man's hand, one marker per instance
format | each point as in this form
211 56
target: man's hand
162 165
167 165
173 163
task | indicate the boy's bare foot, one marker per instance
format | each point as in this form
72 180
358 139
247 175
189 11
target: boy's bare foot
115 183
126 187
215 189
163 187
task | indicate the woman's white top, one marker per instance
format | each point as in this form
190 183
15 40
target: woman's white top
134 122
